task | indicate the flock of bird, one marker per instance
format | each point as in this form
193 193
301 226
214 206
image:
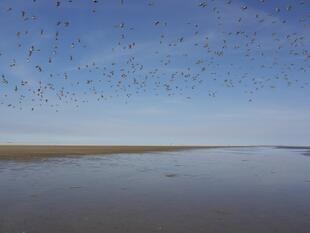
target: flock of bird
247 49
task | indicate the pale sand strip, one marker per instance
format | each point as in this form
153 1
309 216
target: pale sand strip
35 151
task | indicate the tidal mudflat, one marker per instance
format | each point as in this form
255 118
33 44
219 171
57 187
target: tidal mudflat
242 190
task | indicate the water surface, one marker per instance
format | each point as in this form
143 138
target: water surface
213 190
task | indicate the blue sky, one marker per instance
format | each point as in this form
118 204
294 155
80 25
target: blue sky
256 92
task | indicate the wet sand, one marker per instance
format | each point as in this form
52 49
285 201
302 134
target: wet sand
216 190
33 151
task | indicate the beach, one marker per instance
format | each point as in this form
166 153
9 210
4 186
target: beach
226 190
37 151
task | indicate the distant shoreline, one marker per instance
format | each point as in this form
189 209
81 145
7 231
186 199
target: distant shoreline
11 151
37 151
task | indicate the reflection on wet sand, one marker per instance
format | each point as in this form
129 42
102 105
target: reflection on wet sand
213 190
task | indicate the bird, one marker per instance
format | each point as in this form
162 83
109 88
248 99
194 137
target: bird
187 55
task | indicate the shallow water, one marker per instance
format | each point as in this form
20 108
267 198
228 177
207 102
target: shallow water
213 190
